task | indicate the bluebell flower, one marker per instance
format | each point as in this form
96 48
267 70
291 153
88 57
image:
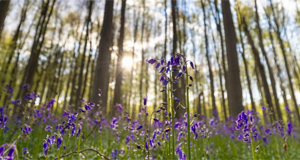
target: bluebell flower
287 109
145 101
2 149
289 128
157 66
167 129
138 146
50 103
25 86
146 146
176 99
151 61
87 107
10 154
81 110
120 107
139 127
15 102
192 64
184 69
162 69
58 142
178 75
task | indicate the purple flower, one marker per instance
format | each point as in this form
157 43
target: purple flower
146 146
138 146
15 102
139 127
192 64
287 109
45 146
176 99
145 101
151 61
157 65
263 108
25 86
2 149
289 128
162 69
178 75
120 107
191 78
184 69
156 119
58 142
87 107
10 154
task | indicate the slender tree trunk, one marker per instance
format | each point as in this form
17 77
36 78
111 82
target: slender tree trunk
261 69
101 78
13 45
83 59
38 42
4 6
143 58
282 87
208 57
220 80
220 32
119 75
246 69
273 83
234 88
282 47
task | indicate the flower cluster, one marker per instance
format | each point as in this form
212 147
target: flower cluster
246 123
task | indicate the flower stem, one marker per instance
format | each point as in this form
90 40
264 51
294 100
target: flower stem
188 114
173 115
252 147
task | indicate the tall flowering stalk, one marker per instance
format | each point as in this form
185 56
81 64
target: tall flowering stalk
245 122
173 117
167 78
187 77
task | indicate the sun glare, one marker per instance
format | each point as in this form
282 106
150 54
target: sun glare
127 63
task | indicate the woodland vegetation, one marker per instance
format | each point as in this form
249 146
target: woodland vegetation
149 79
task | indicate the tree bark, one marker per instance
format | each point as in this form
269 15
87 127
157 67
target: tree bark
208 57
101 78
261 69
246 69
282 47
233 75
119 75
83 59
261 44
4 6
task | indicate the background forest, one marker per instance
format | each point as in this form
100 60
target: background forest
245 56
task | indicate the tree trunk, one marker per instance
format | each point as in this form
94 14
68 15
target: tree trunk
83 59
143 59
119 76
273 83
208 57
4 6
246 69
101 78
282 47
234 88
220 80
261 69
